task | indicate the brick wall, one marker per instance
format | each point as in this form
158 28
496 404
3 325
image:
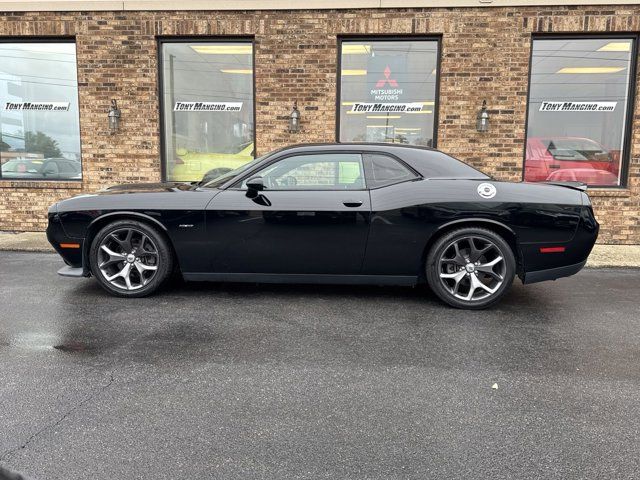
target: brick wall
485 55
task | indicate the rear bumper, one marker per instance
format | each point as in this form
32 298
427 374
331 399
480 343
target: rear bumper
552 273
538 265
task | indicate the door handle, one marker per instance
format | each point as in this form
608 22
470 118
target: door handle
352 203
554 166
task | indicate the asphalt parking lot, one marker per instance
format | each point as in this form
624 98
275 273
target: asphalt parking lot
264 381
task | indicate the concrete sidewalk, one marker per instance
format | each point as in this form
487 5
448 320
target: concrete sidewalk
602 255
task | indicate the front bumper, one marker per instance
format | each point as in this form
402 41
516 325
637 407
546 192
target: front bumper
69 248
68 271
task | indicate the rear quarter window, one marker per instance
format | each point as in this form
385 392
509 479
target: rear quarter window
434 164
383 170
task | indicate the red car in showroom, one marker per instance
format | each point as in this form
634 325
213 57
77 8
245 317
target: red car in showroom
570 159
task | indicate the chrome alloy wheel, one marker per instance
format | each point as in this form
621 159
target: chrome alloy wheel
128 259
472 268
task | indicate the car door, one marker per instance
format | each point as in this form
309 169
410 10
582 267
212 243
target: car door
311 218
398 227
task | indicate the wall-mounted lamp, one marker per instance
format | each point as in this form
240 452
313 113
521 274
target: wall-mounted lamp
294 119
114 118
482 122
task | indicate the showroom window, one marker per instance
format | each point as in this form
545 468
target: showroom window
578 113
207 107
39 120
388 91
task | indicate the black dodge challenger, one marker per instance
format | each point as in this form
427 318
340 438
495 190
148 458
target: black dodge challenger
331 213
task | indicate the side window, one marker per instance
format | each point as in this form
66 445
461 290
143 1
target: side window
50 168
67 167
330 171
383 170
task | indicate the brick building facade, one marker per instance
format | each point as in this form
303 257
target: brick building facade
485 54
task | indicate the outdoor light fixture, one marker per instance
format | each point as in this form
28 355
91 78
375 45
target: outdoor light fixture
482 122
114 118
294 119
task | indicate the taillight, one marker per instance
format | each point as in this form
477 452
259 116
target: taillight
552 249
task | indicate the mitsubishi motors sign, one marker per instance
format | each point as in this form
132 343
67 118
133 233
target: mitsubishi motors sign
384 78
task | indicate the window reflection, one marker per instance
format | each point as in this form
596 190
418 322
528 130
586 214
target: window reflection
578 110
39 124
208 108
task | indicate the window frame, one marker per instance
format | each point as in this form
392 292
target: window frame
237 184
160 41
389 38
625 154
52 39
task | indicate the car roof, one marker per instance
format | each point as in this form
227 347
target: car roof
355 146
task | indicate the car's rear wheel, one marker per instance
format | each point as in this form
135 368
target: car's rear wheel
130 258
470 268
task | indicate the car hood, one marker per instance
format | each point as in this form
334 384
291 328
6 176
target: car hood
140 196
146 188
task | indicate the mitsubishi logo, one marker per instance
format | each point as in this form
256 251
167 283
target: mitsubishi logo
387 79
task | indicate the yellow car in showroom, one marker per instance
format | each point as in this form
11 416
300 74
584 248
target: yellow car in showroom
195 165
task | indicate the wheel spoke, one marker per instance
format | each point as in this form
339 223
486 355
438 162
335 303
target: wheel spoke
476 253
127 277
145 268
143 241
458 259
481 285
473 285
492 274
124 272
125 244
491 264
113 257
456 277
488 267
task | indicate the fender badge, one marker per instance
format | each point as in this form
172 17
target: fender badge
487 190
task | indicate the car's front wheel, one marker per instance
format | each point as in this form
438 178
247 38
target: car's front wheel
130 258
470 268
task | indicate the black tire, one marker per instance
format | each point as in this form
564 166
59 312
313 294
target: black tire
449 258
147 272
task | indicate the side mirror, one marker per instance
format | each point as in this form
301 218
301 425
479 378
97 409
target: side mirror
254 186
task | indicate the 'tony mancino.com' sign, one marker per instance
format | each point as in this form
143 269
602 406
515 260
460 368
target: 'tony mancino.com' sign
578 106
36 106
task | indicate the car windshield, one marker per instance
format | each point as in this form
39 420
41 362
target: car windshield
22 166
215 182
575 149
